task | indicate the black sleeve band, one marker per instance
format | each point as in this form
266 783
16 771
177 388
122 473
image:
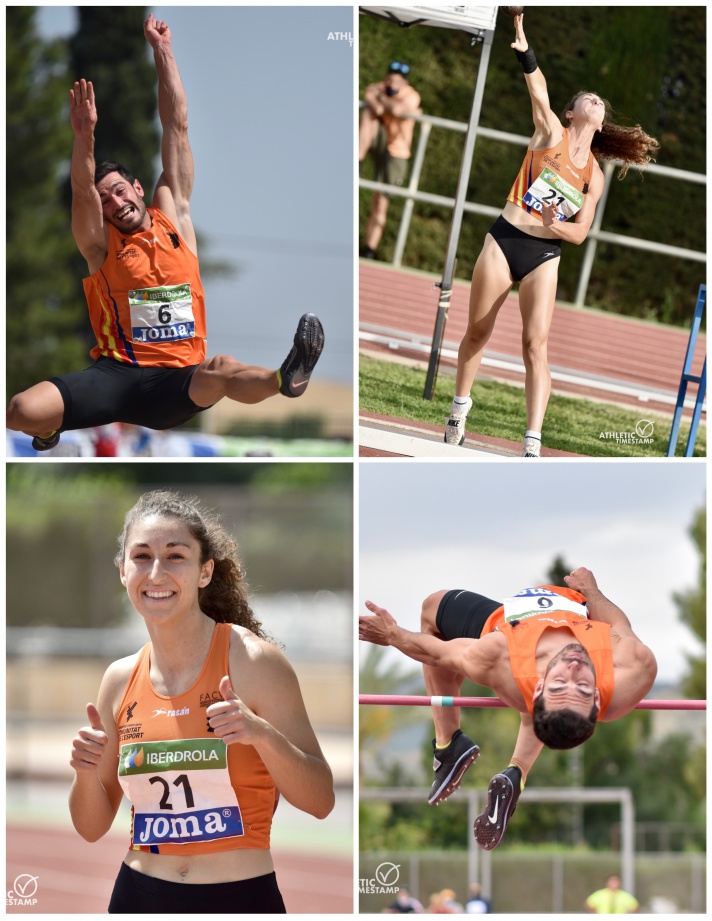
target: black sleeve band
528 60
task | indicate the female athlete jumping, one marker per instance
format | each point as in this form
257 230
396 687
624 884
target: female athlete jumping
202 729
559 179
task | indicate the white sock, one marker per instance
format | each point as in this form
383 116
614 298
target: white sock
457 399
531 434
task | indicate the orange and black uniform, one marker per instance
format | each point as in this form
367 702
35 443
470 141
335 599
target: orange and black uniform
467 614
147 310
190 793
146 302
544 176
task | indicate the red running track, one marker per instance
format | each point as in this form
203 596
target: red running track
582 341
75 877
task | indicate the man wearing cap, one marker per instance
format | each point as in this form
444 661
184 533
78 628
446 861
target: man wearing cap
386 131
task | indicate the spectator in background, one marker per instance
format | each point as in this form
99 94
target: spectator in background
477 904
443 903
387 132
612 900
404 904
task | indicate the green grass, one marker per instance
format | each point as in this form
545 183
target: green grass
575 425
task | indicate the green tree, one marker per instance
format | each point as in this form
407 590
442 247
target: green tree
43 306
692 605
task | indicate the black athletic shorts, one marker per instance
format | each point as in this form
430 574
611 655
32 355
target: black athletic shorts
523 251
111 391
463 614
135 893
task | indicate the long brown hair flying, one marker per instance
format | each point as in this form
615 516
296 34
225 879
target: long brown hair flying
618 142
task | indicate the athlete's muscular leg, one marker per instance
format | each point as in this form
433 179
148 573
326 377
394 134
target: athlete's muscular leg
36 411
223 376
491 283
376 220
440 681
537 293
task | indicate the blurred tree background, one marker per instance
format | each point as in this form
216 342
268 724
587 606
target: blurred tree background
633 752
292 522
650 62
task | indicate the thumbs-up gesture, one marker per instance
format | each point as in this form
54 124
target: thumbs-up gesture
90 743
231 719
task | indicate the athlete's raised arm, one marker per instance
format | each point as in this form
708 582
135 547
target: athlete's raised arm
548 129
175 184
468 657
88 226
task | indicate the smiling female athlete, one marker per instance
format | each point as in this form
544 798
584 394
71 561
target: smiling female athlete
202 729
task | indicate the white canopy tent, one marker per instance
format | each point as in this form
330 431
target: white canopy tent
480 22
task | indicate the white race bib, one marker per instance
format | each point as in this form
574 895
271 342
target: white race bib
180 790
549 188
162 314
533 602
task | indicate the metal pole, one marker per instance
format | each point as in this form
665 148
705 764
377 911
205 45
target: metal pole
589 255
628 842
446 284
412 187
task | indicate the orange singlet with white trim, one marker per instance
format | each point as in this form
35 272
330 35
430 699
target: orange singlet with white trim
190 793
550 176
524 618
146 302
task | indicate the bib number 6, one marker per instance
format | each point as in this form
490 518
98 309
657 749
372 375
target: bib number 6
164 314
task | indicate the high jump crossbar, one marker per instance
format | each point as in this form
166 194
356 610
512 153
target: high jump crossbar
396 700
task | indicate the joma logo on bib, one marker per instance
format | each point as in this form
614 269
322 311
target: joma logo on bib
203 825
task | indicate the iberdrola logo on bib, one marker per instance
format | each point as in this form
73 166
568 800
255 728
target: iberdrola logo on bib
173 754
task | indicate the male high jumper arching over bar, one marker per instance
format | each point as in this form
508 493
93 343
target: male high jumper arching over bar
564 657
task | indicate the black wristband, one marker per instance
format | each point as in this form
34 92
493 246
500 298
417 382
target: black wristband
527 59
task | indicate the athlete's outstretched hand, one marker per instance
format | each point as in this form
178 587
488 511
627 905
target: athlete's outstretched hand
157 32
376 629
89 744
82 108
232 720
520 42
582 580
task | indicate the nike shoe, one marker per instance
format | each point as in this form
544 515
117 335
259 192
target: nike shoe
532 447
455 428
297 367
502 795
450 764
46 444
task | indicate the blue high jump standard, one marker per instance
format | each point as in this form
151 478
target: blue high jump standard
688 378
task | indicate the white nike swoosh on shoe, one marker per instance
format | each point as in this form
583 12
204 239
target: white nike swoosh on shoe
493 818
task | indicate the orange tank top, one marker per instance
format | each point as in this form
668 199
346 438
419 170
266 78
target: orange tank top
550 176
146 302
522 620
190 793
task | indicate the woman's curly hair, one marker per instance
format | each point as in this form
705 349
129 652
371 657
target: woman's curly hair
225 597
618 142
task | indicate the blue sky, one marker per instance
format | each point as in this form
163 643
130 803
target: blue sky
495 528
271 118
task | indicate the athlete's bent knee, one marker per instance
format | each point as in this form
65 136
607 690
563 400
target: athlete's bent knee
16 415
222 366
429 611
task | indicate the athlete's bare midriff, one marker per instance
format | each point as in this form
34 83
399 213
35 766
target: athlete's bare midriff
220 867
524 221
